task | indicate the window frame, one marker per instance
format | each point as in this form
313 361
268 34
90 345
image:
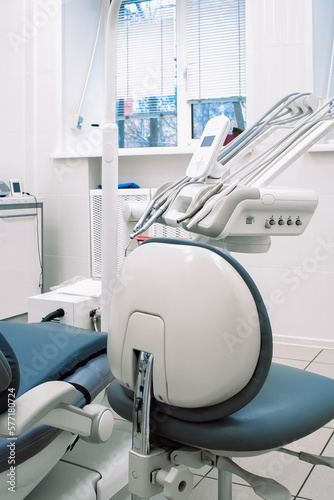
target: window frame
185 142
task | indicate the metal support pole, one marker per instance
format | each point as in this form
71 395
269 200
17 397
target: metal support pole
141 407
224 485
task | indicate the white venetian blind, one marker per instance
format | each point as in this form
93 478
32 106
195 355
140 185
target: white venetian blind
215 49
146 67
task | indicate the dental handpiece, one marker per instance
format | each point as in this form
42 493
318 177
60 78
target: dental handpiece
209 205
148 223
154 202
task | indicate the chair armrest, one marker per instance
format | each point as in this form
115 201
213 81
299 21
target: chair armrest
49 404
27 411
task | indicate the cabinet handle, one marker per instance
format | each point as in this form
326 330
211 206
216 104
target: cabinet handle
14 216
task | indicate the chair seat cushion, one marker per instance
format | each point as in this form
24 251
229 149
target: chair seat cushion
291 404
51 351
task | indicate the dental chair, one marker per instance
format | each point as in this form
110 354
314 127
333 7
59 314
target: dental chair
190 347
51 378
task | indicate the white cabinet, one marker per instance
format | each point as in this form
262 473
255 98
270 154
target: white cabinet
21 223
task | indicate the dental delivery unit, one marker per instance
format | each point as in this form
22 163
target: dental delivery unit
225 197
171 367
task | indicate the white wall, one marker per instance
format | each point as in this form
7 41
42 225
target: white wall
32 114
12 81
296 277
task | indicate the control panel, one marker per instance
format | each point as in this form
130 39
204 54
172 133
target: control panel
288 214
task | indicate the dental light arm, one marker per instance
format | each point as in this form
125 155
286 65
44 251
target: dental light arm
109 168
239 204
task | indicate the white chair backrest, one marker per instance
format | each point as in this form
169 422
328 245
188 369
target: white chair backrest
194 312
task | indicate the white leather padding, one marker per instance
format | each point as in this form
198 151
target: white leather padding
193 311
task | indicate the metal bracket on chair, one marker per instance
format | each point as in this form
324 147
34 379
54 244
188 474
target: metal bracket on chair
142 405
152 474
310 458
151 471
266 488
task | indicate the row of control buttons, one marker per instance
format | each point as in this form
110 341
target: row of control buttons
271 222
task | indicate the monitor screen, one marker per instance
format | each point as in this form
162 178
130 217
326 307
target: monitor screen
207 141
16 187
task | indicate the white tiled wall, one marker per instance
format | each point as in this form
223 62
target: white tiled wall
33 107
12 92
296 277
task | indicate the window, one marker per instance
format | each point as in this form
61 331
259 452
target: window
216 80
178 60
146 73
323 56
323 47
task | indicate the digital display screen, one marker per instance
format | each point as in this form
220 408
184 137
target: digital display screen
207 141
16 187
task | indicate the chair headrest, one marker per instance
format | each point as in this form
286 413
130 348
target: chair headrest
201 316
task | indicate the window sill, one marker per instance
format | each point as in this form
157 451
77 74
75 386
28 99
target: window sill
127 152
322 148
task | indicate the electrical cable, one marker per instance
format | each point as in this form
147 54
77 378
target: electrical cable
58 313
90 64
39 251
240 140
153 205
161 209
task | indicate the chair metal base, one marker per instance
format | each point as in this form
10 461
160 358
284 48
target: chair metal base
224 485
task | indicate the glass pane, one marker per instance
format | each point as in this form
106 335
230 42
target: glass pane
136 132
202 112
216 49
146 73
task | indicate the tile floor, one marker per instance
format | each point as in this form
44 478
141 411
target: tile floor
304 481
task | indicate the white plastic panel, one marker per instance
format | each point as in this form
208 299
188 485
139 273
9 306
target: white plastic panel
124 229
209 316
20 254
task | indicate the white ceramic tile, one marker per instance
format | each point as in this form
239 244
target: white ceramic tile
12 156
286 469
11 43
295 352
74 225
12 107
207 488
291 362
327 370
297 310
70 267
48 104
66 175
330 424
51 275
319 486
51 224
326 356
48 37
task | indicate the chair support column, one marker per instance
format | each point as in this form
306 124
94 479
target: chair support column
151 471
224 485
142 405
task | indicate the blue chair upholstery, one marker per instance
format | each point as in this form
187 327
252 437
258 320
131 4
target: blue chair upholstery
285 410
32 354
